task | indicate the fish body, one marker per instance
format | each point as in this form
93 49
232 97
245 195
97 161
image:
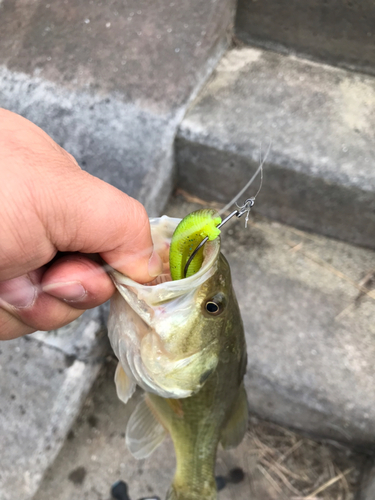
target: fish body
183 342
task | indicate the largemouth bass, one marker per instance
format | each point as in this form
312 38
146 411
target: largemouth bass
183 342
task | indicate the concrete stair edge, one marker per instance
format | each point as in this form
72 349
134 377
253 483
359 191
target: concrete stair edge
313 179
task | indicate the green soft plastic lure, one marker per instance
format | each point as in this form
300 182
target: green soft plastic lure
187 236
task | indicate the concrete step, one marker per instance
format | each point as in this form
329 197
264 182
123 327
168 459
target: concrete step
341 33
308 305
110 81
320 173
45 378
367 488
95 456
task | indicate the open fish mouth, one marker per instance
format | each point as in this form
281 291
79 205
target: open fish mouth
149 324
162 288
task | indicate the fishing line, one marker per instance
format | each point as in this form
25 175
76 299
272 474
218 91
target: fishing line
241 210
248 184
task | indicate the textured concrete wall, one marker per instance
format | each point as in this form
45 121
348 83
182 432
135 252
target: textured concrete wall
320 172
110 81
338 31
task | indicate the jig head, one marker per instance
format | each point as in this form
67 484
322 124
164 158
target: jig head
241 210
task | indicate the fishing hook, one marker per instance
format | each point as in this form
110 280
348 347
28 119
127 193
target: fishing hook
241 210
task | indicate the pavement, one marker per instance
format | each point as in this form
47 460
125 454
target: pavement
45 380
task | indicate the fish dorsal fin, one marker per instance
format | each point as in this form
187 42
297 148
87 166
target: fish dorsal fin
236 426
125 387
143 432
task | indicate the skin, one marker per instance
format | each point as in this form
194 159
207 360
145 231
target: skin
58 224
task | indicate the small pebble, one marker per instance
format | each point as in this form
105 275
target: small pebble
119 491
236 475
149 498
221 482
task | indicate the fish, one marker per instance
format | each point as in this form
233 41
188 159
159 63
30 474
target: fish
182 341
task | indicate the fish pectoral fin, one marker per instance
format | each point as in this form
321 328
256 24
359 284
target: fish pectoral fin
236 426
143 432
125 387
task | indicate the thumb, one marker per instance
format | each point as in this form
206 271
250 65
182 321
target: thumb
47 203
99 218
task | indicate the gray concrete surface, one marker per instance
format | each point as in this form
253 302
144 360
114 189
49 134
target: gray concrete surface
320 172
367 488
309 325
110 81
84 339
337 31
95 456
43 387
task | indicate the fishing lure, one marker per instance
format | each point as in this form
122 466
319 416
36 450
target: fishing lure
186 251
188 235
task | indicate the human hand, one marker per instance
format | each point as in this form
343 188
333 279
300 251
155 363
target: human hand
49 205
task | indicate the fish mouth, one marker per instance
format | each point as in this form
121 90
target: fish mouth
146 322
162 289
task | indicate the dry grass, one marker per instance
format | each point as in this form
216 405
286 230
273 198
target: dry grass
298 468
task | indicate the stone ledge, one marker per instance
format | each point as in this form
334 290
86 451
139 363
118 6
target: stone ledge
110 81
338 32
84 339
320 172
309 330
42 391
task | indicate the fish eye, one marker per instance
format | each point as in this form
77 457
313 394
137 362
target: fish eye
212 307
215 305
